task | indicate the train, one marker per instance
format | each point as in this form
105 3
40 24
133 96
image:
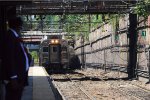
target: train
57 53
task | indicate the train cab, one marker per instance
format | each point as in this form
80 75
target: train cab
54 52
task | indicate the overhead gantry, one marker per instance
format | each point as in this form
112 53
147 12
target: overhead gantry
59 7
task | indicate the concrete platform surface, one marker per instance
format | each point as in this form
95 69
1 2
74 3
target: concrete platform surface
39 88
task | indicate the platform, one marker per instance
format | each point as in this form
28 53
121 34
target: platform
39 87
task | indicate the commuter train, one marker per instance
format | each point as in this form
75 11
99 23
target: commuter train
57 53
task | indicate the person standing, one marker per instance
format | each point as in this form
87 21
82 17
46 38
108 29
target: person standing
15 61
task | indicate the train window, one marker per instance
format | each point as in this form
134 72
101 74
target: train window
64 49
54 49
45 49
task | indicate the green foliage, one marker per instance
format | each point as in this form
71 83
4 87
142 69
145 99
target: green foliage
34 54
72 24
142 8
114 21
96 20
77 24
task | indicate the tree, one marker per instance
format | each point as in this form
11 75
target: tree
142 8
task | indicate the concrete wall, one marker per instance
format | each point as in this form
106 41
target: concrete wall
104 48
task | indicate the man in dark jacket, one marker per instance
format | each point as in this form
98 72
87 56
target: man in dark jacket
15 61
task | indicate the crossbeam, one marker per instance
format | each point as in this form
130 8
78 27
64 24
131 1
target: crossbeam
39 33
59 7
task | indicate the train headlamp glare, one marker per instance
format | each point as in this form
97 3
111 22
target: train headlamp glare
56 41
52 41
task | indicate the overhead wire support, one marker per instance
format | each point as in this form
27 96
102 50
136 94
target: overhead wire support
76 6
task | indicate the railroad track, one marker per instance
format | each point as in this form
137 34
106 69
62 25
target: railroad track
76 87
81 88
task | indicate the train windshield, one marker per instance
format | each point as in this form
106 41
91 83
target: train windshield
54 49
45 49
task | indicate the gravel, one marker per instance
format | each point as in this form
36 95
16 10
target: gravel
97 84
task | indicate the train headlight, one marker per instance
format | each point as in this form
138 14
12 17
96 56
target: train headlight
56 41
52 41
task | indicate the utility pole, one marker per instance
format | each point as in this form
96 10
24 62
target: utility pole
132 46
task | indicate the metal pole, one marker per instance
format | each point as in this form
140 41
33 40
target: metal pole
132 46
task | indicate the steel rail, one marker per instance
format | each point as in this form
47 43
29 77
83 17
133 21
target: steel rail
84 91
